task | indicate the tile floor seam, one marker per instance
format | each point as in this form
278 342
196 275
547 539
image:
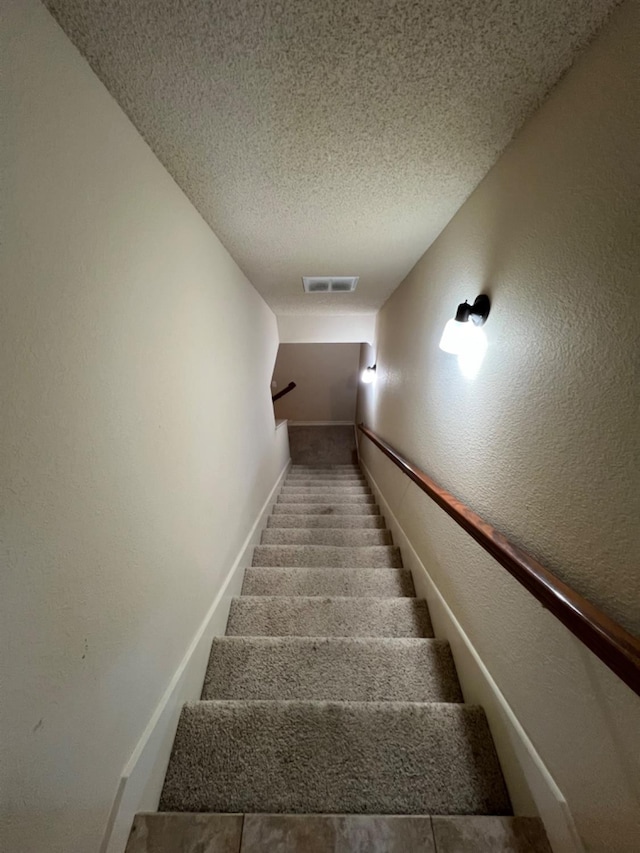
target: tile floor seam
241 833
433 835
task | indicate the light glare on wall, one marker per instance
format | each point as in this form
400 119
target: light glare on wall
472 352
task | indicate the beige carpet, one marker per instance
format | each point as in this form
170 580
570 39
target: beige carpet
329 693
322 445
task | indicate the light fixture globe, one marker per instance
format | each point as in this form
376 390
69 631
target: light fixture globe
453 336
368 375
459 332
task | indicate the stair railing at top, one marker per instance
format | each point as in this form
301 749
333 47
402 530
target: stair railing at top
615 646
284 391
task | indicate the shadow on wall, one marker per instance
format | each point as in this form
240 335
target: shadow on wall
326 378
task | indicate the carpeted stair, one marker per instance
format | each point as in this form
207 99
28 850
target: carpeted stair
319 616
328 693
356 669
318 756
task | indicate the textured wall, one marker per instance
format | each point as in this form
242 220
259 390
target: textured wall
545 441
138 436
326 376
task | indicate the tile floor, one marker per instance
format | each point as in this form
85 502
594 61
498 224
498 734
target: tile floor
263 833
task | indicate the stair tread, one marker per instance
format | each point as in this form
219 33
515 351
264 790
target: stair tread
327 555
333 496
353 472
326 536
328 616
325 508
289 489
303 479
342 480
329 522
334 668
354 466
290 581
337 482
316 756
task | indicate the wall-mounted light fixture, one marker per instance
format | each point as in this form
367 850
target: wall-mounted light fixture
464 337
368 375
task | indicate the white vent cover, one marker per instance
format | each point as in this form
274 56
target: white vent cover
329 283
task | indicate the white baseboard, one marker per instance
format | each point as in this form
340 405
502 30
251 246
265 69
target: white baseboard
143 776
532 789
321 423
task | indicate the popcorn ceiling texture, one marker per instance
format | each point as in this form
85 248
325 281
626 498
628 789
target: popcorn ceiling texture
334 137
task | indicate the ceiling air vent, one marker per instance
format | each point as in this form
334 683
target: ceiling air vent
329 283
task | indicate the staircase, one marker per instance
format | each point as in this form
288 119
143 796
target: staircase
329 700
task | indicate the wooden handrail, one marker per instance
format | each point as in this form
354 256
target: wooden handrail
284 391
615 646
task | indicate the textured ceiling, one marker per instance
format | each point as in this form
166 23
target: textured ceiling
328 137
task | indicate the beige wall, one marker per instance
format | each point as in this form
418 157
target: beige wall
138 441
545 441
326 376
326 328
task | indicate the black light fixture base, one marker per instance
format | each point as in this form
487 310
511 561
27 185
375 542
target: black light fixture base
480 309
477 313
